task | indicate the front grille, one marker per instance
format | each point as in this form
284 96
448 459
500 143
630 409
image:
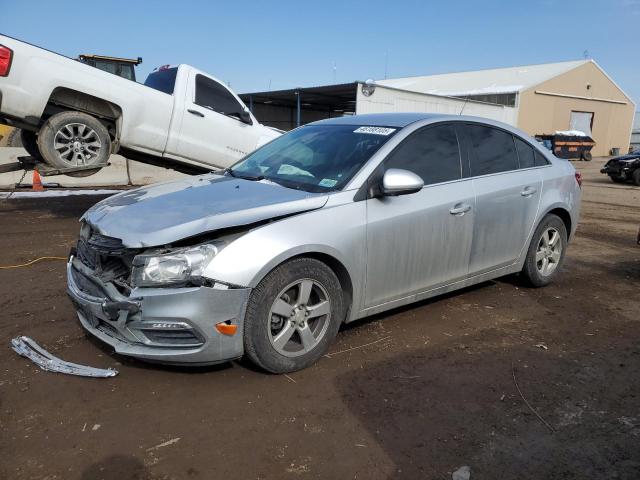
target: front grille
181 338
108 266
86 285
87 255
105 244
110 330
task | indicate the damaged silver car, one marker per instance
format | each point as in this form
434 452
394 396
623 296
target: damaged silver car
334 221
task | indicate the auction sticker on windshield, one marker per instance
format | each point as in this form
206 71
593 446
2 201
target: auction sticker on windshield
375 130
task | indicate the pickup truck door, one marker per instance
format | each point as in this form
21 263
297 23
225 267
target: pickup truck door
211 131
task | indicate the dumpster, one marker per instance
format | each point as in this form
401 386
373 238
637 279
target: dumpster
569 145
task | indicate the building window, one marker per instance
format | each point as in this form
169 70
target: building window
507 99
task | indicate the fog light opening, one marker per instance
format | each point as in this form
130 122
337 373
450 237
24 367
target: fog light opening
227 328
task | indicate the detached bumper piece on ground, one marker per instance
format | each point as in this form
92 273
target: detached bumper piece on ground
26 347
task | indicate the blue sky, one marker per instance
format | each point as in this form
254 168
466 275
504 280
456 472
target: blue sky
286 44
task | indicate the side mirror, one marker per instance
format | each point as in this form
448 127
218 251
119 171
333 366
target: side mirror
245 116
400 182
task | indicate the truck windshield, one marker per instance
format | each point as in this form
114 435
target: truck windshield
316 158
163 80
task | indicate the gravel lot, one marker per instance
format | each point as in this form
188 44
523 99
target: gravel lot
434 392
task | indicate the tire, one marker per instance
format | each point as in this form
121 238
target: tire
29 142
274 342
617 178
13 139
635 177
82 140
534 270
586 156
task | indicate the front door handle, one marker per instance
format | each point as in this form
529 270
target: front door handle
528 191
460 209
195 112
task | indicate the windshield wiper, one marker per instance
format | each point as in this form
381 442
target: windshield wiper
253 178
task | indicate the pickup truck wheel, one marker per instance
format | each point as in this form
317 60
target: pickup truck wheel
30 143
635 176
74 139
546 252
292 316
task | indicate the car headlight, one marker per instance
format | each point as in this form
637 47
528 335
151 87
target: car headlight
172 268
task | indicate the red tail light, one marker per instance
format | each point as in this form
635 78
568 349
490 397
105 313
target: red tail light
579 179
6 55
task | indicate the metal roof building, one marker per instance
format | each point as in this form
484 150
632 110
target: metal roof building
540 99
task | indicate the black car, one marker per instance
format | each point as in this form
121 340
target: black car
622 169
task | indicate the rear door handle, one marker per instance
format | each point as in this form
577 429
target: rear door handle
195 112
528 191
460 209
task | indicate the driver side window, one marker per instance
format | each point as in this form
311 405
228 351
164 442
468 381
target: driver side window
212 95
432 153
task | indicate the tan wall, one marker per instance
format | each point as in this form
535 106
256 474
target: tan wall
612 122
385 99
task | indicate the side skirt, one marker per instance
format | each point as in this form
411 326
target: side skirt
416 297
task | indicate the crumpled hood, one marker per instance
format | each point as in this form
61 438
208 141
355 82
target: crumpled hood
167 212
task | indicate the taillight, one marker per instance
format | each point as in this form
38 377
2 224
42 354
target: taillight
579 179
6 55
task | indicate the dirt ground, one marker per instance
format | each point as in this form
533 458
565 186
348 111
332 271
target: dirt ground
434 392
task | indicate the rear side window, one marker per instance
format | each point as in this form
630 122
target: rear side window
494 150
540 160
431 153
525 153
212 95
163 80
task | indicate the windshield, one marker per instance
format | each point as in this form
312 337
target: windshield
163 80
315 158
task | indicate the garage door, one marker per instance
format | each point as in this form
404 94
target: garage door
581 121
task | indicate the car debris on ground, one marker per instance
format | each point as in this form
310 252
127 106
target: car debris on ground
28 348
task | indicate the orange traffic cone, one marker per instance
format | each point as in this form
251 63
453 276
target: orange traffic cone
36 184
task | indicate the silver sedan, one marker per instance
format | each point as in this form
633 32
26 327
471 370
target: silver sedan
332 222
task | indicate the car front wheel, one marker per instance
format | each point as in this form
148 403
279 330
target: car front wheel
546 251
617 179
293 315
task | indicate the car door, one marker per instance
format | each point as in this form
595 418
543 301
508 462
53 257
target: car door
211 131
507 196
420 241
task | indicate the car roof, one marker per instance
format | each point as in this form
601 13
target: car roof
399 120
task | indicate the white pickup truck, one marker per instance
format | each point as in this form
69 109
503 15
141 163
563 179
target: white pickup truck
73 116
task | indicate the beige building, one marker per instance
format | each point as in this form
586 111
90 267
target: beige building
544 98
540 99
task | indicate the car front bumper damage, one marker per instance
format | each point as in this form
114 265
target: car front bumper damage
165 325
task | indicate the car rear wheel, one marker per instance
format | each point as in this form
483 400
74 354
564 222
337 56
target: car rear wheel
292 316
74 139
586 156
635 176
546 251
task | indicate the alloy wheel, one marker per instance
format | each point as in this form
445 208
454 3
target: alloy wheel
549 252
299 317
77 144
